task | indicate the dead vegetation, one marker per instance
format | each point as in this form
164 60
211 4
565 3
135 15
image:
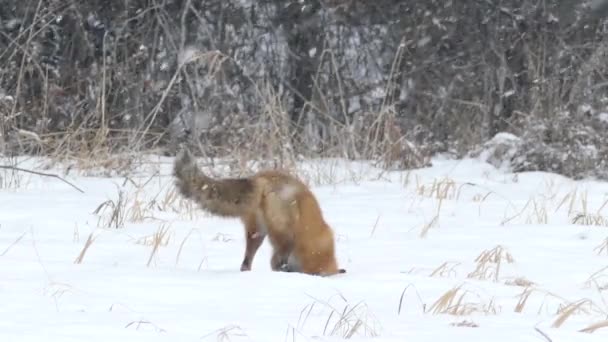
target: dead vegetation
459 301
533 212
137 206
595 326
563 309
441 189
589 219
225 333
541 208
524 296
489 263
582 306
10 177
520 281
85 248
602 248
465 323
446 269
347 322
579 211
598 280
159 239
141 324
14 243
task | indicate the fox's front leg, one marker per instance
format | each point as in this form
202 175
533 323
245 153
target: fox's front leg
291 264
278 261
254 239
281 256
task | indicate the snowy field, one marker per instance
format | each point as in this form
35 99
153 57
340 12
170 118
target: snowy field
456 252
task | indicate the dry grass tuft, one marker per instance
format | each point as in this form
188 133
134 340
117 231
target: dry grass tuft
480 198
423 305
351 320
136 209
489 263
221 237
595 326
90 152
602 248
11 178
85 248
525 295
57 289
225 333
443 189
181 245
434 221
573 198
431 224
536 212
565 309
465 323
126 208
100 162
158 239
582 306
599 279
375 226
455 302
523 299
589 219
171 201
141 323
446 269
519 281
578 209
13 244
112 214
495 255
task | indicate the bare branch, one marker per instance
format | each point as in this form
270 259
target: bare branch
8 167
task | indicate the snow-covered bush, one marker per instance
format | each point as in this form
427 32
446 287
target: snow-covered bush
576 148
499 151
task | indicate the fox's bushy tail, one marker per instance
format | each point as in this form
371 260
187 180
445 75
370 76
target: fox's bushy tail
230 197
187 175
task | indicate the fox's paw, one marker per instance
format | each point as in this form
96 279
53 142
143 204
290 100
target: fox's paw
286 267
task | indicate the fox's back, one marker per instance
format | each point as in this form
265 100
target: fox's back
280 183
289 202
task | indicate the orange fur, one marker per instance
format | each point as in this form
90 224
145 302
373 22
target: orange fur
269 203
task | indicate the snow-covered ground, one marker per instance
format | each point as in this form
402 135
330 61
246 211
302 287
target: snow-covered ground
457 252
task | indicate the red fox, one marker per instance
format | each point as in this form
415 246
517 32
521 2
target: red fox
272 203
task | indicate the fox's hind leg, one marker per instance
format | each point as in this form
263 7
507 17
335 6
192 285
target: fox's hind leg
255 235
254 241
